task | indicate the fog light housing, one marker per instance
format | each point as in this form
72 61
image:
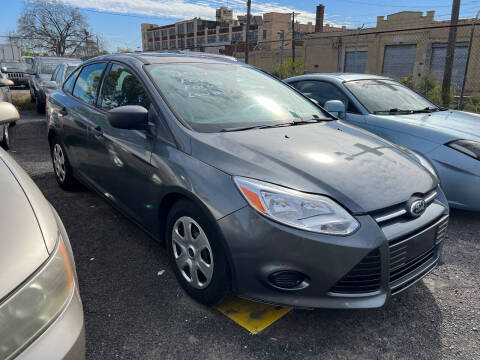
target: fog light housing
288 280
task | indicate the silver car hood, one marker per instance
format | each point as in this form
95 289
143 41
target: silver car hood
22 245
442 126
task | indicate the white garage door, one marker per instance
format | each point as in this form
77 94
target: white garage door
355 62
399 60
437 62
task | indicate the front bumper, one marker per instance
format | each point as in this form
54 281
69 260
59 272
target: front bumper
331 265
64 338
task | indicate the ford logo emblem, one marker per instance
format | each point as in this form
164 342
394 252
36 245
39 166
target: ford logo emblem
417 207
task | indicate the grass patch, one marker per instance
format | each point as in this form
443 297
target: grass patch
21 99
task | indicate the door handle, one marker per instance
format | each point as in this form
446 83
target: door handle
97 131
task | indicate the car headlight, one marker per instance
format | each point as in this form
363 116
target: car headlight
468 147
314 213
26 312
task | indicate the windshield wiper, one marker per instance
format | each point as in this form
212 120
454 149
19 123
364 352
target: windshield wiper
300 121
400 111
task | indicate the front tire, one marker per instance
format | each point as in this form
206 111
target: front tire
5 143
61 166
196 254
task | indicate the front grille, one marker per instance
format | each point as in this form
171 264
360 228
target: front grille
365 277
403 272
15 75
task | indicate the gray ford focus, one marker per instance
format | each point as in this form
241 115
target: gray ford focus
252 187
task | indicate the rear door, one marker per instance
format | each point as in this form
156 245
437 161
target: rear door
119 159
79 115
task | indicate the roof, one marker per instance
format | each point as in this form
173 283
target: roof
167 56
340 76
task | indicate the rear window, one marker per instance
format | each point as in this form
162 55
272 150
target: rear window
87 83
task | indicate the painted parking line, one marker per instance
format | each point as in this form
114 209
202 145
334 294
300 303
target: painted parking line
251 315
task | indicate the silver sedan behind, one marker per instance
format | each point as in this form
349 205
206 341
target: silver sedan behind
41 315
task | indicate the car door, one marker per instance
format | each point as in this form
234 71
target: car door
323 91
79 113
119 159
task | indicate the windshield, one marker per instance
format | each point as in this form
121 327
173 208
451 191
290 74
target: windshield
215 97
48 66
387 96
14 65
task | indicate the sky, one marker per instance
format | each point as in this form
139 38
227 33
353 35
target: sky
118 21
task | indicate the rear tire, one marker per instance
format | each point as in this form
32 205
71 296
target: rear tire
5 143
61 166
196 254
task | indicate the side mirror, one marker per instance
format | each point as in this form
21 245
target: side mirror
132 117
336 107
49 84
4 69
6 82
8 113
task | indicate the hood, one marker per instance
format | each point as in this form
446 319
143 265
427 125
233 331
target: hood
361 171
441 126
22 247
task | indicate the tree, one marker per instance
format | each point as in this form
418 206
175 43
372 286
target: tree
290 68
52 27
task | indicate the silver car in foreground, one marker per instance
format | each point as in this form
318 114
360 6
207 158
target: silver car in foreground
449 139
41 315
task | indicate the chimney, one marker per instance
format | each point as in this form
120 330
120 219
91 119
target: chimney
319 18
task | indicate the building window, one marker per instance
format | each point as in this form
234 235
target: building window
181 28
157 45
156 33
212 39
165 44
201 40
253 35
264 34
223 38
238 36
190 27
171 31
164 32
181 44
150 35
190 42
173 44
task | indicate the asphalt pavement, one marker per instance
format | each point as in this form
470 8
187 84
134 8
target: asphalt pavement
134 308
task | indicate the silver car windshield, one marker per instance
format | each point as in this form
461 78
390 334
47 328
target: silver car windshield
388 96
214 97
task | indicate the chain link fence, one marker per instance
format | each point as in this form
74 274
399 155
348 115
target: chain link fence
413 55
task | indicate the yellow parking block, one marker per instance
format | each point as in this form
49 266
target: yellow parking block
251 315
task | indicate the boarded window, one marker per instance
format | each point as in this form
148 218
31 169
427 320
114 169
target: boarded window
437 62
399 60
355 62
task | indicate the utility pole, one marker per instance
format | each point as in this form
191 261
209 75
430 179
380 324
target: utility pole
249 6
282 37
460 102
293 36
452 39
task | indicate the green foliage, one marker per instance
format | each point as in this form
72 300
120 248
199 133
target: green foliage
473 103
407 81
290 68
430 87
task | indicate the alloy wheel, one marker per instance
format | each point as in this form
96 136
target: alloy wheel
192 252
59 162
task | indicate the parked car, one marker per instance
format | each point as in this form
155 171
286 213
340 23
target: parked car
41 314
15 71
8 121
28 60
449 139
58 77
252 187
43 69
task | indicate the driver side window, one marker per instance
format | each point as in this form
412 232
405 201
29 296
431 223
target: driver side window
121 88
323 92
